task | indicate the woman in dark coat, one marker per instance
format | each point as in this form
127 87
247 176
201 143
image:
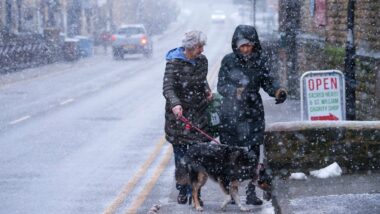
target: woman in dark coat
187 93
243 72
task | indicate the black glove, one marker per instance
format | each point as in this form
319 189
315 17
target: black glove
280 96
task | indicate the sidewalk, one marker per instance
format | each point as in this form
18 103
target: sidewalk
355 193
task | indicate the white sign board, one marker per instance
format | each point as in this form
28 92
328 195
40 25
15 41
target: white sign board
323 95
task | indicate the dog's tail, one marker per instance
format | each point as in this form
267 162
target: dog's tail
182 174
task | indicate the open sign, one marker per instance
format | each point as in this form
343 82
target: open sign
325 83
323 95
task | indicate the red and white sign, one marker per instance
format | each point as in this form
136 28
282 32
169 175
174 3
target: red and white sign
322 95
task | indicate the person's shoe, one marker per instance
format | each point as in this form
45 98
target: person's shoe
182 196
254 200
182 199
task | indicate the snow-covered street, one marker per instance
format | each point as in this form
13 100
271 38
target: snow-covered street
87 136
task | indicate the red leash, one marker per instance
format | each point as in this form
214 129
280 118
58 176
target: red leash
189 125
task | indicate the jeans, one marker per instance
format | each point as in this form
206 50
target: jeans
179 152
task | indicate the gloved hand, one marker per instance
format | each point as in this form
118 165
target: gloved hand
280 95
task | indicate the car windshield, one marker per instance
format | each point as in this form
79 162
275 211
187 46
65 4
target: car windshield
131 30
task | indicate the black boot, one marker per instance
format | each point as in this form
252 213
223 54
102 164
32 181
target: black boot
251 195
182 195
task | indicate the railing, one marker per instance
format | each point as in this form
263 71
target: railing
26 50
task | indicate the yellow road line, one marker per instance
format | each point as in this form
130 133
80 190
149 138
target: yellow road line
152 182
137 177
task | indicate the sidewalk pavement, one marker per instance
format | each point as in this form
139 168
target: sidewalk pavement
347 194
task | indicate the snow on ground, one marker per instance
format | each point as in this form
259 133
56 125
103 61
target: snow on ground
332 170
298 176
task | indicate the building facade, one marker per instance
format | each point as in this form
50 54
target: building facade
320 39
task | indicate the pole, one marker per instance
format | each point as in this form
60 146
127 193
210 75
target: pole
349 62
19 15
291 27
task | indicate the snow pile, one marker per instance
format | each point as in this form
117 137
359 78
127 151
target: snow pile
332 170
298 176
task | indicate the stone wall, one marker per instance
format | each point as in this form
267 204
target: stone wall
367 22
321 45
367 25
368 88
306 146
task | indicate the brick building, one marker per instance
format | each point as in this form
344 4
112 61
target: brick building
320 40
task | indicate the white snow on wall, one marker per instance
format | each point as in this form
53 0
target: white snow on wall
298 176
332 170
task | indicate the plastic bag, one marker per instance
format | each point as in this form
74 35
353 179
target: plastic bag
214 114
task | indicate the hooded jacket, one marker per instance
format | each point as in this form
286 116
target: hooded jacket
243 119
185 84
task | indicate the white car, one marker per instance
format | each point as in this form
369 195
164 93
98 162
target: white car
218 16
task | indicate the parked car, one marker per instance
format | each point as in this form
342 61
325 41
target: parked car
131 39
218 16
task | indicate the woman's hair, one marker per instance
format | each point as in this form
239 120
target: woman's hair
193 38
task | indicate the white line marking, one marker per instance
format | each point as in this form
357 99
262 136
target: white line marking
19 120
66 101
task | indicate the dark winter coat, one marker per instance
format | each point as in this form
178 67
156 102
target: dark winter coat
243 120
185 84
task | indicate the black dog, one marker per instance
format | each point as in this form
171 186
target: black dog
224 164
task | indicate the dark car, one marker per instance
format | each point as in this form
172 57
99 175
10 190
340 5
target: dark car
131 39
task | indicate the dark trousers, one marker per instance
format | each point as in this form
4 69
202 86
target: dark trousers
179 152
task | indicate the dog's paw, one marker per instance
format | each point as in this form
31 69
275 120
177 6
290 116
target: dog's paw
244 209
223 207
199 209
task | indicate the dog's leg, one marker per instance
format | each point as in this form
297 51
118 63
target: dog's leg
234 185
196 187
227 200
227 196
194 197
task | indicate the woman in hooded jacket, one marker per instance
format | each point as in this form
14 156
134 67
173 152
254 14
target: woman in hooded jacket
242 74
